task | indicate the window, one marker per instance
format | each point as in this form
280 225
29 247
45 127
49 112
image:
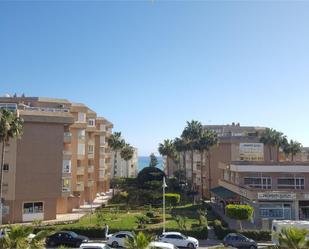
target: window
120 236
102 127
81 149
6 167
81 117
275 211
33 207
226 175
90 149
66 185
102 149
258 182
66 166
291 183
81 133
102 140
91 122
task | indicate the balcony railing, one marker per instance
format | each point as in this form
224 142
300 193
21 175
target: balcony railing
80 170
46 109
90 183
90 169
79 186
66 189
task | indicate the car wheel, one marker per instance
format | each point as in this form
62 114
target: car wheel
78 244
191 246
115 244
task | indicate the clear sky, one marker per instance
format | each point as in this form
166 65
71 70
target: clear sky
150 66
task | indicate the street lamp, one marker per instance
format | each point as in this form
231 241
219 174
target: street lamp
164 186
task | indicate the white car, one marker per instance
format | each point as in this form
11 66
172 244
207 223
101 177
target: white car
179 240
161 245
94 246
118 239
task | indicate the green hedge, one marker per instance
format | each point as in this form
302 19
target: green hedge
258 235
172 199
239 212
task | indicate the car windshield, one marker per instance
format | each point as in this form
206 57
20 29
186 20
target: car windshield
74 235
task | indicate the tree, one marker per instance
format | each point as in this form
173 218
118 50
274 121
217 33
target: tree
239 212
18 238
153 160
204 143
191 134
11 127
293 238
181 147
292 148
273 138
168 150
126 154
116 142
139 241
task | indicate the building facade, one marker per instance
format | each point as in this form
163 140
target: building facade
275 190
61 162
122 168
205 171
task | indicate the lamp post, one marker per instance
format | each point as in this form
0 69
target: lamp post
164 186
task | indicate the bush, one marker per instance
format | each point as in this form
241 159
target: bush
239 212
172 199
257 235
150 214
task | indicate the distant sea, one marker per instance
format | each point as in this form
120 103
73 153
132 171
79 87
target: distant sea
143 161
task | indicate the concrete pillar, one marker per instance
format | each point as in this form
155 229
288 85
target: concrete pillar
296 208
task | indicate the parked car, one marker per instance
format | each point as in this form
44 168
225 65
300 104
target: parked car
94 246
66 238
239 241
161 245
118 239
179 240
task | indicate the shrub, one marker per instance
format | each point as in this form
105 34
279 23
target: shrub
172 199
239 212
150 214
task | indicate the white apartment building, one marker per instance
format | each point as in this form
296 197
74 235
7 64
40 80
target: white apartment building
122 168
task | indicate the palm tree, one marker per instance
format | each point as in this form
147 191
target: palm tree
292 148
19 238
191 134
126 154
168 150
293 238
273 138
116 142
181 147
11 126
139 241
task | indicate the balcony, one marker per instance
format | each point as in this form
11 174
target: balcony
67 136
66 189
90 183
79 186
67 154
80 170
90 155
90 169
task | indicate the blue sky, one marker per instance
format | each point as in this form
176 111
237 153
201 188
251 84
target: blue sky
150 66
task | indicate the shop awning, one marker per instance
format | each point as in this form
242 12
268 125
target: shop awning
223 193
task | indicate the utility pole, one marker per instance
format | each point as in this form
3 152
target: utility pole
164 186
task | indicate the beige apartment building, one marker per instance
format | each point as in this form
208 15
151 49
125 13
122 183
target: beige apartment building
61 162
230 137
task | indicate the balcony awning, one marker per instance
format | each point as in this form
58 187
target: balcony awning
223 193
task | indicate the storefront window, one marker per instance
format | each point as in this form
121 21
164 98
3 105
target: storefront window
33 207
275 211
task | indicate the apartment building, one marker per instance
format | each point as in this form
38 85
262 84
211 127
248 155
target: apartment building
206 175
122 168
275 190
61 162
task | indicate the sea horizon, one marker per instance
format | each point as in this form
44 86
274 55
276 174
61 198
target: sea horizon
143 161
